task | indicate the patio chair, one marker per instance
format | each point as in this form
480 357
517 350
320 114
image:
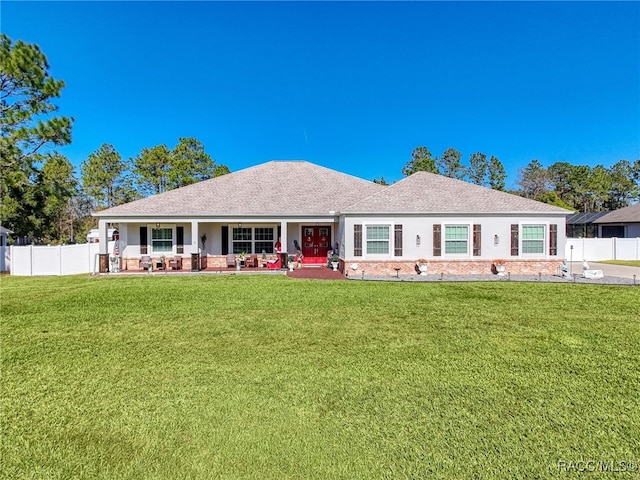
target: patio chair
175 263
273 264
231 260
145 262
251 261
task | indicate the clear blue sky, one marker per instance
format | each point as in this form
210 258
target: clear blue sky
351 86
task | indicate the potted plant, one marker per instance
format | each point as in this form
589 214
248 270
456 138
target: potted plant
335 262
500 266
240 260
422 265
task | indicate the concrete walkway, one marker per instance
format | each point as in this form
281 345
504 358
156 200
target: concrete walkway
608 270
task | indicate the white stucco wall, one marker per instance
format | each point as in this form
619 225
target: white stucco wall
422 226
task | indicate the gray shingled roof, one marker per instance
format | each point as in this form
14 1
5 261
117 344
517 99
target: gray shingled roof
272 188
425 192
630 214
304 189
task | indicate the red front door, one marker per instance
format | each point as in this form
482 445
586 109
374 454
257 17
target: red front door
316 242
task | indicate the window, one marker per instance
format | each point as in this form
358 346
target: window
456 239
377 239
161 240
242 240
533 239
264 239
252 240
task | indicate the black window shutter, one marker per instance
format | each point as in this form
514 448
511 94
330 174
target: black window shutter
477 240
398 241
553 239
357 240
437 240
179 239
225 240
515 239
143 240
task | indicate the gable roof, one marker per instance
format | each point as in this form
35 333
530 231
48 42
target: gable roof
425 192
273 188
630 214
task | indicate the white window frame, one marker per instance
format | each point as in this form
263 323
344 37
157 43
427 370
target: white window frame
389 240
273 239
252 241
468 251
543 241
150 239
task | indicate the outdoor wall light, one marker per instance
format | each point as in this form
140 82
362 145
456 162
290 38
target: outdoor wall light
417 240
496 240
157 225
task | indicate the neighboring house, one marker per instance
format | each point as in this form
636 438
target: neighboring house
4 233
581 225
457 226
622 223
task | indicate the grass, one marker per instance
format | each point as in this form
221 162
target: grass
199 377
626 263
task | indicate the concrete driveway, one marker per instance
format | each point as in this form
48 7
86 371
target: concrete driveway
609 270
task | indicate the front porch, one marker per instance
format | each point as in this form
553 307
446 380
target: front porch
211 243
213 263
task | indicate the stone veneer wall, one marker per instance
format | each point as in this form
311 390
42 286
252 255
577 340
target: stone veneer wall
206 261
455 267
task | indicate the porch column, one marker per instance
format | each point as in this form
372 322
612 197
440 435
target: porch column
283 237
194 237
103 234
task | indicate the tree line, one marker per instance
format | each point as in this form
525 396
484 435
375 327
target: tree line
580 187
487 172
45 200
575 187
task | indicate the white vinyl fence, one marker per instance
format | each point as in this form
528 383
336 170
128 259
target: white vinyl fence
5 259
54 260
594 249
75 259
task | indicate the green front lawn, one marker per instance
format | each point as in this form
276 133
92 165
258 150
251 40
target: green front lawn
199 377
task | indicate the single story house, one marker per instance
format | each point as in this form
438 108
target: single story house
458 227
621 223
